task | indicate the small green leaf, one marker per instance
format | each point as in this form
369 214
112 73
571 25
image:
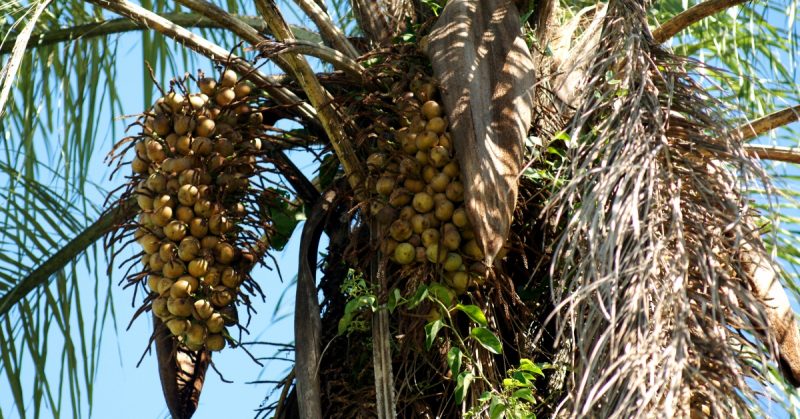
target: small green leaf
487 339
422 292
462 385
454 360
474 312
394 299
496 408
524 394
528 365
485 396
431 330
441 293
344 322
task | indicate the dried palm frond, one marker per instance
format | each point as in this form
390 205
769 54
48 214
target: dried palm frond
648 279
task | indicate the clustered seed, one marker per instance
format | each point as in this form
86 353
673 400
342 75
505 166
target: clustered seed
418 180
191 170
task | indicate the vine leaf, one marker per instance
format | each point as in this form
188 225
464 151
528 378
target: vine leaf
487 339
474 312
431 330
454 360
462 385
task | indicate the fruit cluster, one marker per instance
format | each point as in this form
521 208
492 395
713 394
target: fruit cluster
191 172
418 176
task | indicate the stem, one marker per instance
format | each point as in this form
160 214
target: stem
69 252
122 25
767 123
777 153
691 16
330 33
322 101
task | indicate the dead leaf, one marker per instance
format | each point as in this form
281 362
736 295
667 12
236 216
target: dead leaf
486 78
182 372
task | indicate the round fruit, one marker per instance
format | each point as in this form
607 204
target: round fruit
219 224
198 227
212 278
242 90
400 230
167 250
215 323
215 342
376 161
436 125
173 268
180 289
207 85
209 242
435 254
426 140
224 253
229 78
230 278
156 263
150 243
431 109
400 198
187 194
184 214
444 210
178 326
460 217
423 202
203 309
439 156
385 185
205 127
180 307
430 237
440 182
404 253
198 268
452 262
225 96
472 250
162 216
419 223
139 166
455 191
175 230
160 308
156 182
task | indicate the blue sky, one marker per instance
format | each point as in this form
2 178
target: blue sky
121 389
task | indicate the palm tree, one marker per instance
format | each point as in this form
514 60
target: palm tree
634 241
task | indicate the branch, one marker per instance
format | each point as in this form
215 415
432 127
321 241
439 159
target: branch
331 120
327 54
691 16
11 67
122 25
70 251
767 123
777 153
331 33
307 322
207 48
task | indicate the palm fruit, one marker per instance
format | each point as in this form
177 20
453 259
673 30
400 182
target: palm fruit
191 170
418 192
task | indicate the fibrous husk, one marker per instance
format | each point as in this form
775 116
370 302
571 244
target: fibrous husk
182 372
486 76
649 279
